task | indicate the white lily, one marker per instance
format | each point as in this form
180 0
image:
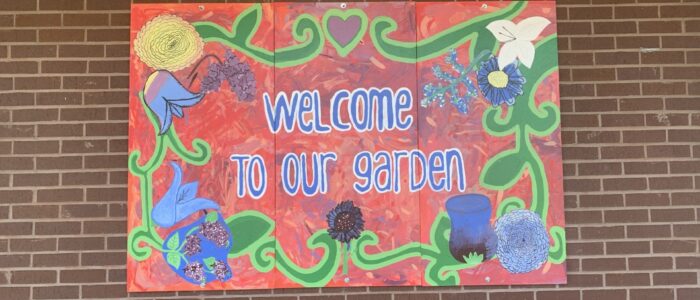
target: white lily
517 39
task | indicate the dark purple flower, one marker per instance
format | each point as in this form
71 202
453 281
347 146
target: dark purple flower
192 245
216 233
221 270
345 222
239 75
195 271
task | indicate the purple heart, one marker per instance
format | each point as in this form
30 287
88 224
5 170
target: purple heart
343 31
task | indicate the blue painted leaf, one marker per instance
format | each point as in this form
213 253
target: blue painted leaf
188 191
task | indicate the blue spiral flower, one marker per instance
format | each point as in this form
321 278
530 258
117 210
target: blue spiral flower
523 244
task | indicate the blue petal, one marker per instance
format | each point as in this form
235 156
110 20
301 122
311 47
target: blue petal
188 191
176 110
164 212
166 121
188 100
185 209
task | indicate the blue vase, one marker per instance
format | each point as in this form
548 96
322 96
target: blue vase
471 232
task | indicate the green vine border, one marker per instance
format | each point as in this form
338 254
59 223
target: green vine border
501 172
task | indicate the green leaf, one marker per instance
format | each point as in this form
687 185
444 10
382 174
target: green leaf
173 259
473 258
174 241
209 262
212 216
247 228
502 170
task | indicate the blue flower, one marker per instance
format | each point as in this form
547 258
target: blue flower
500 86
345 222
166 97
179 201
523 244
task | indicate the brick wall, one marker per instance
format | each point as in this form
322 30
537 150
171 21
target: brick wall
630 88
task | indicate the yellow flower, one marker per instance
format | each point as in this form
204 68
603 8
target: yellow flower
169 43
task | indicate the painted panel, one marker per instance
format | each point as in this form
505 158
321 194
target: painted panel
362 144
187 146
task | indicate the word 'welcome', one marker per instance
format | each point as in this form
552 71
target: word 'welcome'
367 109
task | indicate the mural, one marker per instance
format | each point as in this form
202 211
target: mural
285 145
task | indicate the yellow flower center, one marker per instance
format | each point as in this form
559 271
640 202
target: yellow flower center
498 79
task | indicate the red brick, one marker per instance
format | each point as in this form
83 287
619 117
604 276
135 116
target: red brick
638 73
85 19
33 244
61 35
675 278
81 51
14 293
32 51
680 11
33 277
606 294
56 292
618 27
660 26
55 260
648 231
627 279
63 66
674 246
82 276
636 12
687 293
650 263
61 4
38 20
19 67
18 35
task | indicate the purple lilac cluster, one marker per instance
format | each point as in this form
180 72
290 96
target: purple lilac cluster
215 232
239 75
195 271
221 270
192 245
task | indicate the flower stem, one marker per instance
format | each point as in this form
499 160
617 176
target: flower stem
346 256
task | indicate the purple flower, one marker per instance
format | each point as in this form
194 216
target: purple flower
192 245
221 270
345 222
195 271
239 75
215 232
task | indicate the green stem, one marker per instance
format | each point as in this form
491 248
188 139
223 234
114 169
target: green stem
146 232
346 255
